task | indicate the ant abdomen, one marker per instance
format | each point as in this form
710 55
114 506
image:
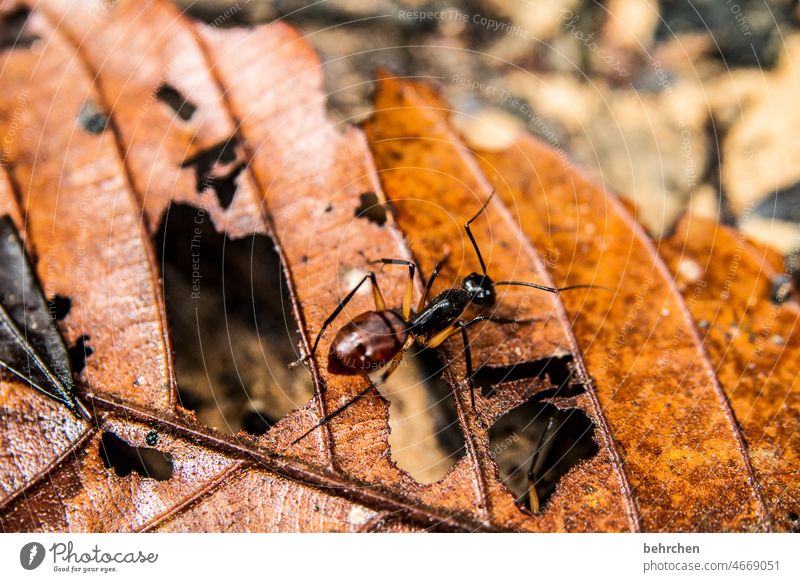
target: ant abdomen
367 343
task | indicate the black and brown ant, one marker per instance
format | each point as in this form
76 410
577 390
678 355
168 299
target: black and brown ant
377 340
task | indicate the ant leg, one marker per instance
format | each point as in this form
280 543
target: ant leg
393 365
335 413
439 338
412 267
436 340
461 326
500 320
380 305
539 455
467 353
435 273
409 290
468 358
469 231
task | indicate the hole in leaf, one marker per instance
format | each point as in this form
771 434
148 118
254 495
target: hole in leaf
257 423
794 522
188 398
233 331
91 118
78 353
558 371
170 96
425 439
218 168
127 459
15 30
59 307
371 208
536 444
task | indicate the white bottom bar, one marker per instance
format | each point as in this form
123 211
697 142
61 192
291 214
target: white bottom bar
333 557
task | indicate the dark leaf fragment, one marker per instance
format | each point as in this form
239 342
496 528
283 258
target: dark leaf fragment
218 168
31 347
182 107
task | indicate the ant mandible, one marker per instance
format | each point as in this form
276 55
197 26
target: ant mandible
378 339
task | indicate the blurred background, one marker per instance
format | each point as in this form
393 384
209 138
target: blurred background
676 105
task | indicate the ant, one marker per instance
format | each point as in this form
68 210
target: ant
378 339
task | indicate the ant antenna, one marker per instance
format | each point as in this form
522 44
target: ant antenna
522 283
551 289
469 231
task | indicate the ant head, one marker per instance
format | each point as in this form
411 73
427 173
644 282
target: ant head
480 288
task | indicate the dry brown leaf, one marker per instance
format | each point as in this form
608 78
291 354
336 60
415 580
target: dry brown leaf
750 326
118 139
